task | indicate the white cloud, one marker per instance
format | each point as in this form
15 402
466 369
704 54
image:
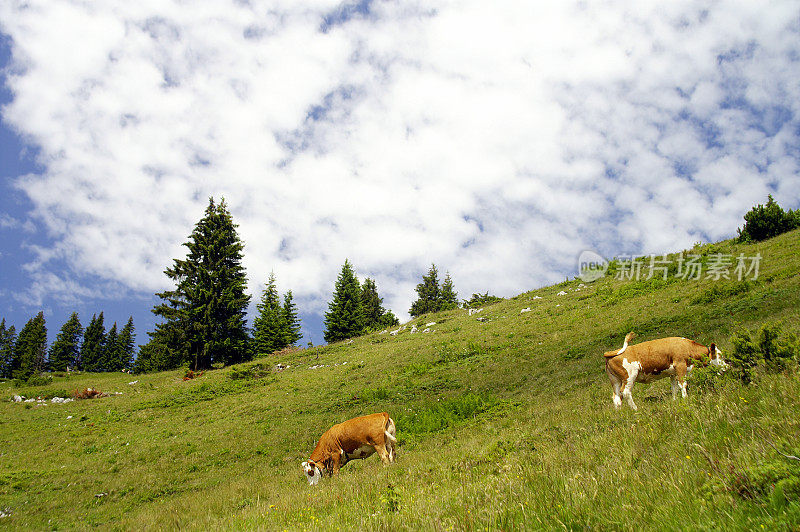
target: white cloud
498 143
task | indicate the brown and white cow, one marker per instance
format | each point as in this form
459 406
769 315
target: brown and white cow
649 361
355 438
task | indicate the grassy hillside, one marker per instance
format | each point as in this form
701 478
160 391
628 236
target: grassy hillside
505 423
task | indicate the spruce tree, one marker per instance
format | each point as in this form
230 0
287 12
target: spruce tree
269 329
345 318
127 345
92 354
205 315
111 354
30 349
428 293
375 316
8 339
291 321
65 350
447 296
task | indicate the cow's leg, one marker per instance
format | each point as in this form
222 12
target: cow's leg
674 382
383 452
680 374
633 370
336 463
616 381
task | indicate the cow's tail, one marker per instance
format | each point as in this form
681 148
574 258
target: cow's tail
628 337
389 429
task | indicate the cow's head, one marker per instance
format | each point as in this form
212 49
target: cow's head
716 356
312 472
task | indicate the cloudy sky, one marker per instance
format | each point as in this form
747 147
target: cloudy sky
497 140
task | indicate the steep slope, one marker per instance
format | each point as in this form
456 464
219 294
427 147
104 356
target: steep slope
504 423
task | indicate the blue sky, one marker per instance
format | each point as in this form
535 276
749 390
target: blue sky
498 144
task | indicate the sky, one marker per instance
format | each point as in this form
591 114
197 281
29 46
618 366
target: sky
497 141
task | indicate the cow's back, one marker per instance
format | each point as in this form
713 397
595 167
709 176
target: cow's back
357 432
657 355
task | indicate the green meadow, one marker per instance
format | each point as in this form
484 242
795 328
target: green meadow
503 424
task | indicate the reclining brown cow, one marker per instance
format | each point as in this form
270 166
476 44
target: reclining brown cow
653 360
353 439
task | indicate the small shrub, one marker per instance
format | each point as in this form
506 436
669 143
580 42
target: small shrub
767 221
253 371
707 378
480 300
391 498
765 348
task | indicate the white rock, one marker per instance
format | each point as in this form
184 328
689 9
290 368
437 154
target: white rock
562 293
525 310
536 297
431 324
427 330
18 398
133 382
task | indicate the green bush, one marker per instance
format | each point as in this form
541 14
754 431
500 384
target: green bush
767 221
764 348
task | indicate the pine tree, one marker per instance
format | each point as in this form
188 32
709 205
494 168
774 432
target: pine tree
375 316
345 318
92 355
65 350
111 354
8 339
291 321
269 329
428 292
127 345
447 296
206 312
30 349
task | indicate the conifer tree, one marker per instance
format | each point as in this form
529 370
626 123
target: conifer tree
127 345
428 293
8 338
65 350
205 315
269 329
375 316
92 354
111 354
447 296
291 321
30 349
345 318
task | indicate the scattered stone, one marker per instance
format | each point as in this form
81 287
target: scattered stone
413 329
536 297
481 319
61 400
431 324
133 382
525 310
18 398
280 367
474 311
562 293
427 330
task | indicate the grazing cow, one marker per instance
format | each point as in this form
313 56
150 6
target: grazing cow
653 360
355 438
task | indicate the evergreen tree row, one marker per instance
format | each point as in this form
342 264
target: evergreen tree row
433 297
26 354
355 309
276 326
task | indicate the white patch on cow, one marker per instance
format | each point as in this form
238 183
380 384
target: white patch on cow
361 452
633 371
312 472
683 388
